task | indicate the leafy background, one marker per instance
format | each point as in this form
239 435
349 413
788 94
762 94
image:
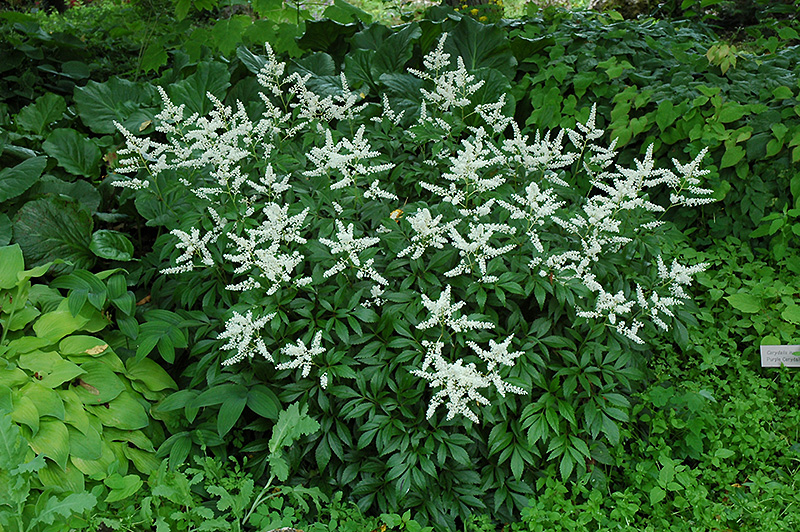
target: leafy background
707 438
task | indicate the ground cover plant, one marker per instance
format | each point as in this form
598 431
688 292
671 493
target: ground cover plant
564 396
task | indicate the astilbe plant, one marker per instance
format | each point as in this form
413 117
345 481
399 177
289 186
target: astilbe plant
461 303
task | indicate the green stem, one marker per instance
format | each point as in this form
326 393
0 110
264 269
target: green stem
259 499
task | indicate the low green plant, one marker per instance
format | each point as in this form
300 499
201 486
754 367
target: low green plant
78 405
22 507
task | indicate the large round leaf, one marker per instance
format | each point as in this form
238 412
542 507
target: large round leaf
38 116
54 228
76 153
129 103
209 77
481 46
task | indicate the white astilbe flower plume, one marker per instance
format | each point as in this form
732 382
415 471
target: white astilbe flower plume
349 246
451 88
477 250
347 157
428 233
498 354
242 334
442 314
193 245
460 383
302 356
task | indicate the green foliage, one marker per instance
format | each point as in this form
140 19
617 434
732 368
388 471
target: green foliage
21 509
688 434
82 409
656 84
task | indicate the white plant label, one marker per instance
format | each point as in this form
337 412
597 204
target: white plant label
775 356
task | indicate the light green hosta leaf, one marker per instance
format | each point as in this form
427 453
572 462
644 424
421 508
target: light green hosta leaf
11 263
99 384
74 412
76 153
52 370
136 437
127 102
150 373
144 461
122 487
68 480
54 326
16 180
52 441
85 445
22 317
99 467
48 402
124 412
744 302
82 345
38 116
111 245
54 228
25 413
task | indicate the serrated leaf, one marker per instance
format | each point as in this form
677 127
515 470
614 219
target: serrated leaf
227 33
657 495
293 423
72 504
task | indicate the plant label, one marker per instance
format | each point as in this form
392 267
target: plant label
775 356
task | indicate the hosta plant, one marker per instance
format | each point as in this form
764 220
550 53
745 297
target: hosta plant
80 407
460 303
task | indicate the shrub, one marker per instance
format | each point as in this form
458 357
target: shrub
410 257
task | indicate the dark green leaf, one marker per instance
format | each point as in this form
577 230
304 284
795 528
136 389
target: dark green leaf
14 181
